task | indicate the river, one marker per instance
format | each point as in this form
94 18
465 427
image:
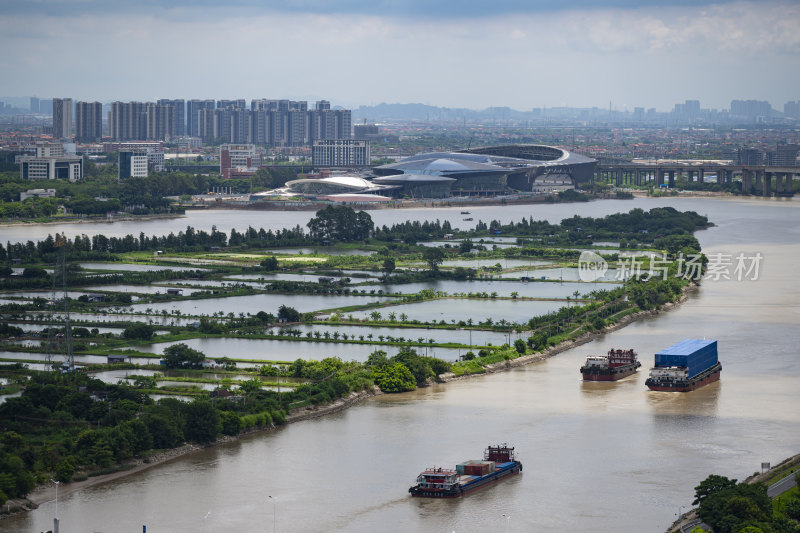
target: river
597 456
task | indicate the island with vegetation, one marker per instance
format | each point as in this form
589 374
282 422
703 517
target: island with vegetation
72 419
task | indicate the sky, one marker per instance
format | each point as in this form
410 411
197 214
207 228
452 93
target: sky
470 53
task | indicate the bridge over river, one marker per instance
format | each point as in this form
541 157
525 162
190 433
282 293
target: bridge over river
758 180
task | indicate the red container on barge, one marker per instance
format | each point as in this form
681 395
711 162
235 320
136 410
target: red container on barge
498 462
616 365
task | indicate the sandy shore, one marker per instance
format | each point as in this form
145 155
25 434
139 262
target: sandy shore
46 493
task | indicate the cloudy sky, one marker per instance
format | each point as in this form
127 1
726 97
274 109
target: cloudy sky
468 53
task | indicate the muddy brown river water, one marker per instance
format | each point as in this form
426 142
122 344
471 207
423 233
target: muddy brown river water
597 456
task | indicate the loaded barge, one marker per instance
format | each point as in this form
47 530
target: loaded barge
616 365
498 462
685 366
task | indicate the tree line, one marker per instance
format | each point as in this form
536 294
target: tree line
343 224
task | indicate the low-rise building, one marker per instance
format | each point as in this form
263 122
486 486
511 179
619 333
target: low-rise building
51 168
244 158
132 164
37 193
154 150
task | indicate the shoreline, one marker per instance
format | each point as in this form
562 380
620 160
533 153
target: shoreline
122 218
691 514
568 345
45 493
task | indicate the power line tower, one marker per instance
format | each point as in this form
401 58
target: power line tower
59 329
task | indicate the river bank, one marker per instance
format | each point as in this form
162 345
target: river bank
568 345
46 493
116 218
691 516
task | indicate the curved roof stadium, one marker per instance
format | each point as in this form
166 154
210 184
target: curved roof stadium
330 185
494 169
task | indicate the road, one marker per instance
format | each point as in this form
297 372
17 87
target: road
779 487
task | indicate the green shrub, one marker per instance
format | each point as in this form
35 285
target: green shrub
394 377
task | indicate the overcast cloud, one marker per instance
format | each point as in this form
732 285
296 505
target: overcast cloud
522 55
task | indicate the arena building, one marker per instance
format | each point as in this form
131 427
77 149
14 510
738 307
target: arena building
487 171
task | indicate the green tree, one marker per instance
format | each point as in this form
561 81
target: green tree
230 423
270 263
341 223
377 358
388 266
792 509
434 257
711 485
419 366
138 330
289 314
164 429
181 356
250 386
729 509
519 345
202 422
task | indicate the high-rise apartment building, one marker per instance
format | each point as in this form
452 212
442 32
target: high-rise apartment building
193 108
46 107
792 109
127 121
238 104
34 107
329 124
267 122
62 118
88 121
750 109
178 116
159 121
139 121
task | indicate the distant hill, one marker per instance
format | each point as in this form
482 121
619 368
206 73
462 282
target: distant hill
426 113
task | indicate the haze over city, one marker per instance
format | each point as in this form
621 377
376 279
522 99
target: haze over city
456 54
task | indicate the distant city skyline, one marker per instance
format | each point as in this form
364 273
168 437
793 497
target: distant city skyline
473 55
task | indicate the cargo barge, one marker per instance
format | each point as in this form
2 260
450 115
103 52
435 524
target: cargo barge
685 366
616 365
498 463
